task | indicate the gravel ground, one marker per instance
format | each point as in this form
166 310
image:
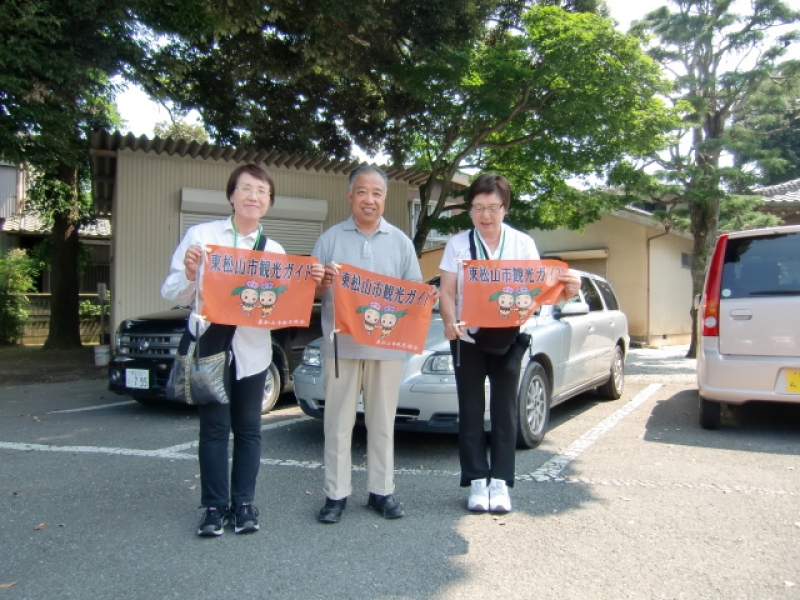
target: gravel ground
661 365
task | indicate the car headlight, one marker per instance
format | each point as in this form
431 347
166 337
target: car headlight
312 356
439 364
123 343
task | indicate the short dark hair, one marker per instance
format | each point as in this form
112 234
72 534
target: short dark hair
361 169
255 171
490 184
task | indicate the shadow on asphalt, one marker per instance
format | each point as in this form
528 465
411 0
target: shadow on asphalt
770 427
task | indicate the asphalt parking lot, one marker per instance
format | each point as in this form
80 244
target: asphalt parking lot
624 499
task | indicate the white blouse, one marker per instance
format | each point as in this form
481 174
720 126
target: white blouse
252 346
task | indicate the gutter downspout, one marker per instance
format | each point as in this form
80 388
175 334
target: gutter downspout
647 301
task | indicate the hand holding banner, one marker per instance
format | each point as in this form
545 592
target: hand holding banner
256 289
505 293
382 311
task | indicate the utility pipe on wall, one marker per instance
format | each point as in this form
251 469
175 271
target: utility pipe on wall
647 302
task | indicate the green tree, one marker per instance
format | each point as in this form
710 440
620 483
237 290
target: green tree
55 62
563 96
739 212
767 129
309 77
57 58
719 60
16 278
294 75
181 130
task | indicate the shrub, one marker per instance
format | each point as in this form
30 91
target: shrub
16 278
89 310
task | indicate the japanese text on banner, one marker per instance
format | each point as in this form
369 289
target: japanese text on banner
256 289
505 293
382 311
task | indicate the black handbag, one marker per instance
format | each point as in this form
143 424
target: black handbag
492 340
201 371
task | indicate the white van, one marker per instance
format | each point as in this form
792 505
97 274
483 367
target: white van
749 321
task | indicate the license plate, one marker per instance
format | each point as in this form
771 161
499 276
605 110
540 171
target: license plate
138 379
793 381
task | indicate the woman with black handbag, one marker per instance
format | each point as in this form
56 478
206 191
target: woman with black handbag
229 497
493 353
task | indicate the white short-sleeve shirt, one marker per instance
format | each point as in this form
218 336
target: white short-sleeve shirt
518 246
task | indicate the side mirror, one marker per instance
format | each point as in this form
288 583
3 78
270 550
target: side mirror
573 308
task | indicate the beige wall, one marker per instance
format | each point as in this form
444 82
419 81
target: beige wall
146 216
624 235
429 262
670 291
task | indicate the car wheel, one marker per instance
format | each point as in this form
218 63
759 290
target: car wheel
613 388
272 389
710 414
534 406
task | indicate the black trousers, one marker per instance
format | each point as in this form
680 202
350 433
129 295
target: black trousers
243 417
475 366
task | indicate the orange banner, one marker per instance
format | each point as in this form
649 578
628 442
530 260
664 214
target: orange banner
257 289
382 311
505 293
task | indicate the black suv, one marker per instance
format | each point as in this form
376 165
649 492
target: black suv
146 347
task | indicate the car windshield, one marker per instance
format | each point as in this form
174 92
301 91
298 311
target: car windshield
762 266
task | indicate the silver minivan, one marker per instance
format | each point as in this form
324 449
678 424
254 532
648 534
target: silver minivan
749 321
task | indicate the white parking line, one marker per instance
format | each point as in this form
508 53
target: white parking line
98 407
553 467
165 453
549 471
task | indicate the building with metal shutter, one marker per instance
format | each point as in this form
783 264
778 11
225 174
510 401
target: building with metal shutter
154 190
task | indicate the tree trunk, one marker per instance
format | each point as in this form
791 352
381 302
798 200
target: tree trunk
423 224
704 224
65 324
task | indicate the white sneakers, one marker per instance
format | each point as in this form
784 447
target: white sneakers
499 500
493 497
478 496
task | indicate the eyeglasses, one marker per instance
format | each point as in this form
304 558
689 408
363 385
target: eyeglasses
493 209
260 192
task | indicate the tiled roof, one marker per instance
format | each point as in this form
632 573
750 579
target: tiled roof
787 192
32 222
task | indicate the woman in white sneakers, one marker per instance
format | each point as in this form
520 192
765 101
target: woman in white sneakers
481 352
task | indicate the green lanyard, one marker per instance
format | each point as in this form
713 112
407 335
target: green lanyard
482 252
236 236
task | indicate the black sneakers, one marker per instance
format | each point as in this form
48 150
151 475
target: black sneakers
245 518
213 522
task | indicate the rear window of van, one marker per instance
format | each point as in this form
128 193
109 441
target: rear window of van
762 266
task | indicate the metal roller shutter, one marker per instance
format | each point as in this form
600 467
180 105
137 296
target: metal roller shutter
296 237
